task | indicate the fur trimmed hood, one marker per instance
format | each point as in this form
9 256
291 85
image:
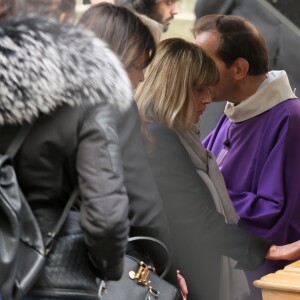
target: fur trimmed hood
44 65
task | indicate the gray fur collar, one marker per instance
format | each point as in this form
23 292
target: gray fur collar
44 65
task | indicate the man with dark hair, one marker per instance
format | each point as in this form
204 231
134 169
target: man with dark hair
277 31
256 141
162 11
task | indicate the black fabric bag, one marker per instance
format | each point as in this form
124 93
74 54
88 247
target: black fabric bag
139 280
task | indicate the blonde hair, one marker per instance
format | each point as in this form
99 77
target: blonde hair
176 70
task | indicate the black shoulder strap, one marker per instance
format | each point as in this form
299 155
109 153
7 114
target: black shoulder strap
18 140
51 235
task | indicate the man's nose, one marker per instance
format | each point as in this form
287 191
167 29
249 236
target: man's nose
175 9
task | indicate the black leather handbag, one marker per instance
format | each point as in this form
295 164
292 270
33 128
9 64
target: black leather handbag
139 280
68 272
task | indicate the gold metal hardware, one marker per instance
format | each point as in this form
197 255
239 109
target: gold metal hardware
142 274
154 292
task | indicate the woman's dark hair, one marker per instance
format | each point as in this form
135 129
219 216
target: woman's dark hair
122 30
239 38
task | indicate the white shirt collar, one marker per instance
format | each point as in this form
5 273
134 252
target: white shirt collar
273 90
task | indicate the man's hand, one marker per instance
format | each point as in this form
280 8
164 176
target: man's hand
286 252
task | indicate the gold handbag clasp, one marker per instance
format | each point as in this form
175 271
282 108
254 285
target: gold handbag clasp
142 274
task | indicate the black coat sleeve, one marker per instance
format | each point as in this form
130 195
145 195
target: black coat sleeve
104 207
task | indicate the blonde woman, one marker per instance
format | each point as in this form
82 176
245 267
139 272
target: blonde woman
173 96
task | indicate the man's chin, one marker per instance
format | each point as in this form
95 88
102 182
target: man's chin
167 24
165 28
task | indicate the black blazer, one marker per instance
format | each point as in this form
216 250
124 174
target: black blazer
199 233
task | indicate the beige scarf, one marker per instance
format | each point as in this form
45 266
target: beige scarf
233 283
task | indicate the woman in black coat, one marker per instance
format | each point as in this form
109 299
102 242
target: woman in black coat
171 100
65 84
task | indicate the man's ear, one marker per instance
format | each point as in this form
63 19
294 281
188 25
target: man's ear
241 68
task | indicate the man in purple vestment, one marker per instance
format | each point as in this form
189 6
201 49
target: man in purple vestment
257 140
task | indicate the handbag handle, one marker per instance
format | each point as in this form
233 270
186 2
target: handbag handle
161 244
